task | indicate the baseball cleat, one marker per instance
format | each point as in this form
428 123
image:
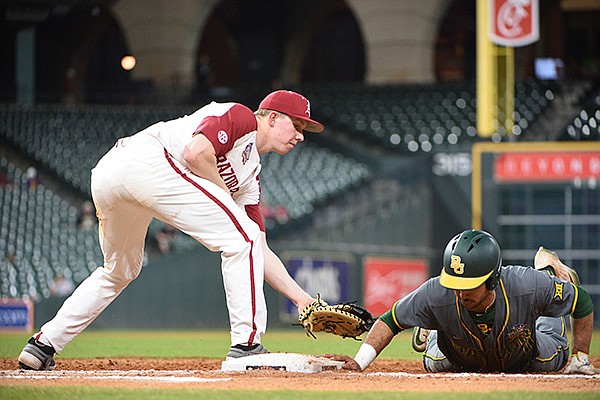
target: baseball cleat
548 260
419 339
36 356
240 350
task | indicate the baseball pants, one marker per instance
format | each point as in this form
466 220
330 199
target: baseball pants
137 180
551 341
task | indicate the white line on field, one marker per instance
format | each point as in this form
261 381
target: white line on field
188 375
134 375
491 376
177 379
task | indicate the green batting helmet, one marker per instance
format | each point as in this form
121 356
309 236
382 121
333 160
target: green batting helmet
470 259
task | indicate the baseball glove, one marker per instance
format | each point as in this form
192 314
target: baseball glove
345 320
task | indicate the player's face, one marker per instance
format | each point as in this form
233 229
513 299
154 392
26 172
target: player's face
286 133
475 300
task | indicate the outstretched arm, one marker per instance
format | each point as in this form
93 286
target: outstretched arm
582 337
583 328
377 339
278 277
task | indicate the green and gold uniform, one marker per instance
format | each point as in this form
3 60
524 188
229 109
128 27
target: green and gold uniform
525 329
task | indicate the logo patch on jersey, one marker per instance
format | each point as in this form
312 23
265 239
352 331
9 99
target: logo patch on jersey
516 331
246 153
519 338
456 265
484 328
222 137
558 290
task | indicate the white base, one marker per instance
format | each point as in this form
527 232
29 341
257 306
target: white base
289 362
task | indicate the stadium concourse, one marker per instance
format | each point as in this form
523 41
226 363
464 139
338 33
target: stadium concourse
368 126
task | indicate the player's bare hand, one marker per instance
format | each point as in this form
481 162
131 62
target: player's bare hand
302 304
580 364
349 362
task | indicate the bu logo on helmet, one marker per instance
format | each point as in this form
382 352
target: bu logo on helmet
456 265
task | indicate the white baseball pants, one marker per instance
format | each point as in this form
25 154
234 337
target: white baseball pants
137 180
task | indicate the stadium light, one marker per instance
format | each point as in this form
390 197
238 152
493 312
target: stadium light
128 63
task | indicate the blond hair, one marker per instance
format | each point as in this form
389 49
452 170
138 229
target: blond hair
263 112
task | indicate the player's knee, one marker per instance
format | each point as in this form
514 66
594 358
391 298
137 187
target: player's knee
248 241
120 274
239 248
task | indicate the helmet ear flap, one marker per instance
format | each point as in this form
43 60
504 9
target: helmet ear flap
492 281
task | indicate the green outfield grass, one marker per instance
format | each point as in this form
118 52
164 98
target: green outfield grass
210 344
215 344
205 344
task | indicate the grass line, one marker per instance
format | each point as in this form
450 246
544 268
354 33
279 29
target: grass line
95 393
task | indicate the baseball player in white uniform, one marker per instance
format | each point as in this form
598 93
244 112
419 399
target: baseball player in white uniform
200 174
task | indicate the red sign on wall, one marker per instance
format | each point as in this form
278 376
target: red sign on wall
388 279
556 166
513 23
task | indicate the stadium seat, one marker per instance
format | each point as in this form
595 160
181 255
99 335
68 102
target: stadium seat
585 125
396 116
42 238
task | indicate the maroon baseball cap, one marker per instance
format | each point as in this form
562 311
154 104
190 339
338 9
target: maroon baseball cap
292 104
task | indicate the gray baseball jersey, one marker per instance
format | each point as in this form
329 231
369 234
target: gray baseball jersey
522 295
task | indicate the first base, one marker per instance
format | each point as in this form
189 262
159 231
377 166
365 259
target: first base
289 362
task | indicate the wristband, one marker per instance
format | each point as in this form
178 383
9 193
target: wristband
581 357
365 356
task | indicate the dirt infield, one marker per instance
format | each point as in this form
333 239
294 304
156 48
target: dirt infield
383 375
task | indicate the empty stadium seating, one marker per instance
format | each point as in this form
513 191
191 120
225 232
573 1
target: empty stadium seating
419 117
307 176
40 239
586 124
69 140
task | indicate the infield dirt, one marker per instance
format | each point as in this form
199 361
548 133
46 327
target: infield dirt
382 375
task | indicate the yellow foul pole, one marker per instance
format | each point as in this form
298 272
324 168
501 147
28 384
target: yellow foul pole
486 77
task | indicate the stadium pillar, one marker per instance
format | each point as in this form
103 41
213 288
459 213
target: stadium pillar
25 65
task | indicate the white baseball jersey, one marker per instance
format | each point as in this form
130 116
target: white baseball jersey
231 128
144 176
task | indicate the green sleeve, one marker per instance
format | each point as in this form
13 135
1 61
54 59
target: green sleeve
389 321
584 306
